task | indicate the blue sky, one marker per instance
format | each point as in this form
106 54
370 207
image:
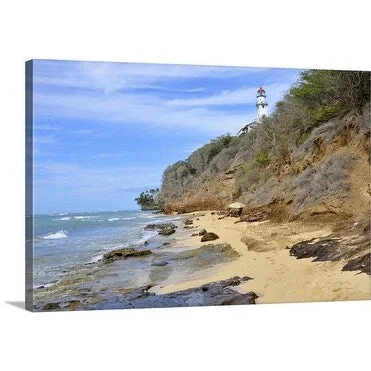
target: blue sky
103 132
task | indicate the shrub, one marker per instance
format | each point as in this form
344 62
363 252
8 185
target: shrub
322 181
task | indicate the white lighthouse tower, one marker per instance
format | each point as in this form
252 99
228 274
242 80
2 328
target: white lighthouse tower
262 104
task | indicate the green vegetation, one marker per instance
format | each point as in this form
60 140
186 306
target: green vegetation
312 108
261 158
217 144
327 93
205 162
148 200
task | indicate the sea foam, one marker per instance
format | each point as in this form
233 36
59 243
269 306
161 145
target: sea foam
55 235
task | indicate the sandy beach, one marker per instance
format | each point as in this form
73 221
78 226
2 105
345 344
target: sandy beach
264 256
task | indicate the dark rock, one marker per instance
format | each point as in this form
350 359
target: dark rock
40 287
167 231
214 293
253 217
197 218
212 213
166 243
152 227
188 222
205 256
51 306
362 263
188 227
194 234
322 250
246 278
202 232
159 264
73 304
124 253
241 299
209 236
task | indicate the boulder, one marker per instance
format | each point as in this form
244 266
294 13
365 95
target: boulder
194 234
209 236
73 304
51 306
213 293
127 252
322 250
362 263
188 222
166 231
202 232
159 264
152 227
205 256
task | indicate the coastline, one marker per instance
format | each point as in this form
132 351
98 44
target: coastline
249 263
276 276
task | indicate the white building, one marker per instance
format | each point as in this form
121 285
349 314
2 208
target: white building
262 106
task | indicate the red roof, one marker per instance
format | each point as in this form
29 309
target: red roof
261 89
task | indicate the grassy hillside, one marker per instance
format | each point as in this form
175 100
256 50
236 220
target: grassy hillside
310 157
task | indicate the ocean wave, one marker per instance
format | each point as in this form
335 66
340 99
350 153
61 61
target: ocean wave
56 235
129 218
95 259
64 218
80 217
147 236
113 219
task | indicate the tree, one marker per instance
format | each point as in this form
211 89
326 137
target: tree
148 199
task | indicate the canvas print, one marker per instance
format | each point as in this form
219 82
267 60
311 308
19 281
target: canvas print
154 185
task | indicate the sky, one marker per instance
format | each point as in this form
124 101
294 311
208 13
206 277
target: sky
104 132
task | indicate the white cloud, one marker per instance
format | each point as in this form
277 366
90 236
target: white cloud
44 139
194 113
146 110
232 97
46 127
110 77
102 94
110 154
70 178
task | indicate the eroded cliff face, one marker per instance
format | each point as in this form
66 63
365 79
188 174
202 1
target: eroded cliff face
327 174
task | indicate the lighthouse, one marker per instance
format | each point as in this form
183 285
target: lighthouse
261 104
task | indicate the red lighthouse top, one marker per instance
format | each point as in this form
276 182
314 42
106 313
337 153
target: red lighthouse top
261 90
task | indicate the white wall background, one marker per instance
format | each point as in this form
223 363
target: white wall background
290 337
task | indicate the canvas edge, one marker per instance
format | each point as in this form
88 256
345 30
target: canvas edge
29 231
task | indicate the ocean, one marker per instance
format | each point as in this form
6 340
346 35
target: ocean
69 242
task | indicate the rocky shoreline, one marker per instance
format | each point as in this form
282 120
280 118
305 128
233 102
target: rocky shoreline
213 293
79 291
187 270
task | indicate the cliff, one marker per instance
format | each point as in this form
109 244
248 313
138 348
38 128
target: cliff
310 158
